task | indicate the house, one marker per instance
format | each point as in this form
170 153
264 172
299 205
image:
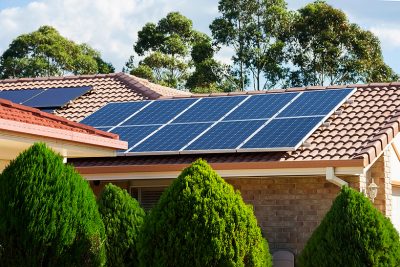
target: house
291 191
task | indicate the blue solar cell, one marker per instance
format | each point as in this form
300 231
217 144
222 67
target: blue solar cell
160 112
283 133
226 135
134 134
113 113
56 97
315 103
172 137
261 106
20 96
209 109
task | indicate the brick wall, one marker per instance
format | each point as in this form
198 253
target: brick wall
288 209
380 172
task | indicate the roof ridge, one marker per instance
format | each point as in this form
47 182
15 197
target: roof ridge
34 111
131 81
68 77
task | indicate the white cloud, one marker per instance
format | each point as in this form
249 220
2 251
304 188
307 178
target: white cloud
389 36
109 26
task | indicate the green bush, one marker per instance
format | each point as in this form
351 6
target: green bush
122 217
353 233
201 221
49 215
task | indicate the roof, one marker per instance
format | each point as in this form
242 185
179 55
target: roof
358 134
26 120
106 88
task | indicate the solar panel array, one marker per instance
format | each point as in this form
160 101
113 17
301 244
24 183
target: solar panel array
44 99
265 122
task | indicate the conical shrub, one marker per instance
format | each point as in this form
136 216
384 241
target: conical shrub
49 215
353 233
201 221
122 217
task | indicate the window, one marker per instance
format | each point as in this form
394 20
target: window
147 196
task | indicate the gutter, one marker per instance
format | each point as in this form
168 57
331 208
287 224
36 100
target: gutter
331 177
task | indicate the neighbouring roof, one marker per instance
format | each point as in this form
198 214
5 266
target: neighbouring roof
358 134
26 120
106 88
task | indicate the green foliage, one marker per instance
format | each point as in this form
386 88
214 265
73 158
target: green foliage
46 53
165 48
252 28
201 221
325 48
353 233
122 217
48 213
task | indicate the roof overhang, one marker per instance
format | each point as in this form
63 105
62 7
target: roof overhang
243 169
17 136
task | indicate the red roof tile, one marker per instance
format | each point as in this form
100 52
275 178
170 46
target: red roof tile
19 113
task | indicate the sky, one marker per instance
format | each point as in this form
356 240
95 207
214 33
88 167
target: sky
111 26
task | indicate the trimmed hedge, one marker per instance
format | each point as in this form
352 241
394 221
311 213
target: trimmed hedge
49 215
201 221
353 233
122 217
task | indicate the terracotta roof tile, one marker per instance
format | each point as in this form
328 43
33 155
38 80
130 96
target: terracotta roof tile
106 88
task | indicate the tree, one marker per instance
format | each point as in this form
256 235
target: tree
122 217
325 49
201 221
48 213
209 75
252 28
46 53
165 48
353 233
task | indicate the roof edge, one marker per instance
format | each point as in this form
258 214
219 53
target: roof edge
130 81
221 166
39 113
61 134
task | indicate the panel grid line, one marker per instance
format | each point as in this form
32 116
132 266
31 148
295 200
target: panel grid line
162 126
269 120
44 90
133 114
215 123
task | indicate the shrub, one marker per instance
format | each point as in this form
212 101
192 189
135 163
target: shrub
201 221
48 213
353 233
122 217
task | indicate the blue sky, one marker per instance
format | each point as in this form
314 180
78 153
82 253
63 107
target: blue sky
111 26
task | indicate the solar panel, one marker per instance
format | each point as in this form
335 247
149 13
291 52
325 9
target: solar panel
225 135
56 97
172 137
20 96
265 122
283 133
114 113
210 109
134 134
160 112
261 106
315 103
